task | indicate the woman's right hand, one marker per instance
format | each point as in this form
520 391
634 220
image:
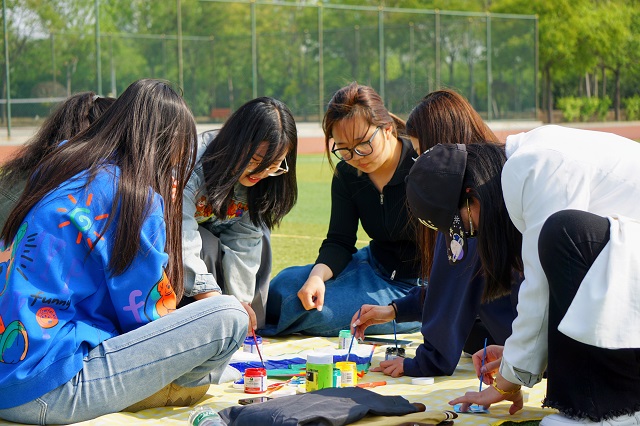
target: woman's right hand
491 362
311 294
371 315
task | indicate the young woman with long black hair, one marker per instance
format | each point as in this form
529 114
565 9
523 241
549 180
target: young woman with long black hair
93 271
559 204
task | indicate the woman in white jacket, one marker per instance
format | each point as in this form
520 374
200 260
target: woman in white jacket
562 206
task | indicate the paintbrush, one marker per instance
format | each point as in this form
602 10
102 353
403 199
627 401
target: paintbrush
353 335
255 340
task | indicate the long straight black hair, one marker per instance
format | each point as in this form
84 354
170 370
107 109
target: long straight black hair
260 120
499 241
150 134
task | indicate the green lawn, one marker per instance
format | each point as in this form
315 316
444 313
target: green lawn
298 238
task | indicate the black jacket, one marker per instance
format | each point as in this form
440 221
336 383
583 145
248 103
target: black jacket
384 217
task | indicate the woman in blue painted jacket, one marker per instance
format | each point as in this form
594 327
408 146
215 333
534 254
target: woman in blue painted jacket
92 271
454 316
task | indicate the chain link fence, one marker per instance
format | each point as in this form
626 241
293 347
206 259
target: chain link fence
299 53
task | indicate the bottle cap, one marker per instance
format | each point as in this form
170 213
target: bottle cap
422 381
319 358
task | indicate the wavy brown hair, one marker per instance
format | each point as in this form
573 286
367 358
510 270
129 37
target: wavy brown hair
69 118
150 135
357 101
443 116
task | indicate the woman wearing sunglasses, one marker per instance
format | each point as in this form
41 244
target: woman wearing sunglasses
243 184
368 188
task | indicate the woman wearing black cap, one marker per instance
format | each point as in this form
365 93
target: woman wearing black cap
454 317
561 205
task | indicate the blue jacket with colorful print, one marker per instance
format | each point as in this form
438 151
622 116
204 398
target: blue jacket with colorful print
58 299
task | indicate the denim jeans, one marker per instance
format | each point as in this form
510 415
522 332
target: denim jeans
190 347
363 281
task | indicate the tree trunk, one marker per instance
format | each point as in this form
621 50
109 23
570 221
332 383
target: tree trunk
604 82
547 77
616 74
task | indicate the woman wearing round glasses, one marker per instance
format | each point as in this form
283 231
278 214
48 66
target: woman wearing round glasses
368 188
243 185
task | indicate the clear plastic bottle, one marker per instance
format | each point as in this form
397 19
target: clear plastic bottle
205 416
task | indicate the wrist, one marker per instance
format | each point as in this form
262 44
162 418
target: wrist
505 387
395 310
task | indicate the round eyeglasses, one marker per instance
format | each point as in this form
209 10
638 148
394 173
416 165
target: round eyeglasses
273 171
362 149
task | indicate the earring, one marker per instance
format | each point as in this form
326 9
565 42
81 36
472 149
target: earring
470 221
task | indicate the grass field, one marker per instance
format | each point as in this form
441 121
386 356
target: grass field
297 240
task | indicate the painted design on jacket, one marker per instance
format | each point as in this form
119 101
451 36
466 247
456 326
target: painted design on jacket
47 317
7 255
79 217
204 211
236 209
161 300
14 342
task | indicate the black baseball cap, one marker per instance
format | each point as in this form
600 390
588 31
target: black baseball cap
434 186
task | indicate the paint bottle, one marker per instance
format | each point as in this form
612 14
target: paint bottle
255 380
250 345
319 371
349 373
205 416
337 378
393 353
344 339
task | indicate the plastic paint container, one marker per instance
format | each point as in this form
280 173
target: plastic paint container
349 372
344 339
255 380
319 371
422 381
250 345
393 353
337 378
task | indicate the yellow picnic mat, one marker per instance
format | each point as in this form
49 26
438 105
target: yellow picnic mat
434 396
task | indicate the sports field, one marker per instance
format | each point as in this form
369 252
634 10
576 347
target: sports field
297 240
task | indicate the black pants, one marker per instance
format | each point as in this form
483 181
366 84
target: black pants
583 380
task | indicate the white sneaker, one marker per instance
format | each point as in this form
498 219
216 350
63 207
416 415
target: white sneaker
562 420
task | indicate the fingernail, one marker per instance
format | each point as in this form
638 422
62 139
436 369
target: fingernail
355 324
319 308
483 370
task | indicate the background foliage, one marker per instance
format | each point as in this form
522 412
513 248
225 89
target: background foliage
402 53
587 49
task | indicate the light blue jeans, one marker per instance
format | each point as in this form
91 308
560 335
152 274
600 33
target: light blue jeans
363 281
190 347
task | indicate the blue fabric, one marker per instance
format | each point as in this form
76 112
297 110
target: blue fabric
448 309
59 293
190 347
363 281
295 363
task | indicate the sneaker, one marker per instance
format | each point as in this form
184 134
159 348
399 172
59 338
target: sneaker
562 420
